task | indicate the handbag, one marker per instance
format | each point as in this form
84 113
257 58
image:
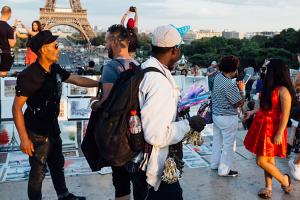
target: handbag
205 111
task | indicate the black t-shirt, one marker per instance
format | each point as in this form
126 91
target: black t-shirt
6 32
43 90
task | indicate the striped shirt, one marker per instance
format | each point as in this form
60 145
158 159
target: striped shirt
225 94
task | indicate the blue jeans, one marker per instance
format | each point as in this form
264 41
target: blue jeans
47 150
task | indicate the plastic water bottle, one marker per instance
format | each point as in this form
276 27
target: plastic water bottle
136 142
136 133
135 125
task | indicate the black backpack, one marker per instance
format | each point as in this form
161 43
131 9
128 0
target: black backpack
111 131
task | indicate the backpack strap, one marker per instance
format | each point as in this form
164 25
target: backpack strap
153 69
120 64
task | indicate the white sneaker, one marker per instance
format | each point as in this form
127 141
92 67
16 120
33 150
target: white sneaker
295 170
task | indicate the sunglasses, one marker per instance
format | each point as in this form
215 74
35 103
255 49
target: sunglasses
55 46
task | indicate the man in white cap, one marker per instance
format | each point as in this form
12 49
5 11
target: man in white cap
158 96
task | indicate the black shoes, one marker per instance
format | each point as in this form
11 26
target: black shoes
72 197
231 174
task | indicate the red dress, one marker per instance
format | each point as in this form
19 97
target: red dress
30 57
260 137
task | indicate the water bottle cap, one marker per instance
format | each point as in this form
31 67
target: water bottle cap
133 112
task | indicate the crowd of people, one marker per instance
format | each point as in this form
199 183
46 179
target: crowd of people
39 86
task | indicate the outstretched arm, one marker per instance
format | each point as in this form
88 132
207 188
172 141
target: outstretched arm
81 81
124 17
21 35
136 20
29 31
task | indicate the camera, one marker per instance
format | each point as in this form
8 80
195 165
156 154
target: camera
132 9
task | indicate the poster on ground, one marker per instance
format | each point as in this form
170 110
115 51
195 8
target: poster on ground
68 134
74 166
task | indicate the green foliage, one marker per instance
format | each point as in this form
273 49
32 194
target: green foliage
250 51
99 40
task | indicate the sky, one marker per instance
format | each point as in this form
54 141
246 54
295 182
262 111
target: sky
218 15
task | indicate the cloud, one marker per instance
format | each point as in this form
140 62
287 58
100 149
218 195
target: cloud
240 15
20 1
265 3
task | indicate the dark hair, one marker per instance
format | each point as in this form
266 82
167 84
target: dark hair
38 24
133 40
160 50
119 31
5 10
91 64
278 75
229 64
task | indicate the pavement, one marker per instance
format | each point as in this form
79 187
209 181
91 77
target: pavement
199 183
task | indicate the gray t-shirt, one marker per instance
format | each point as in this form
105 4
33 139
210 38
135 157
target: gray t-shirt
112 70
225 94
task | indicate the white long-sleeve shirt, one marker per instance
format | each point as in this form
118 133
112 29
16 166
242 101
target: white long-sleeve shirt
158 97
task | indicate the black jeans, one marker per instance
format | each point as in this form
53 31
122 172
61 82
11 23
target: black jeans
48 151
121 181
142 191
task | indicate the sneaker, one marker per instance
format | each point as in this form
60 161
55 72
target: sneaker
295 170
231 174
72 197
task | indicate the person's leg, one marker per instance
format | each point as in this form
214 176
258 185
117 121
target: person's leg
139 184
294 166
297 160
229 129
268 176
217 144
291 139
121 182
38 165
268 164
56 166
165 191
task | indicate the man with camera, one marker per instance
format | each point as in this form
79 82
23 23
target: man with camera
7 41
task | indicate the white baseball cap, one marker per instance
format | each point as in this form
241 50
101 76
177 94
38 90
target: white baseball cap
214 62
168 35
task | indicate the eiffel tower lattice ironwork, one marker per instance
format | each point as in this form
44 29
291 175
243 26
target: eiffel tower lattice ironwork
75 17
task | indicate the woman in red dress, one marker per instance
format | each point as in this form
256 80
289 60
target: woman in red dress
36 27
267 136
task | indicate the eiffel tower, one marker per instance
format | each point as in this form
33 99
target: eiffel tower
75 17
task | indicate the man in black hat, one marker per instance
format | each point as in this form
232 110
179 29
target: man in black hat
39 85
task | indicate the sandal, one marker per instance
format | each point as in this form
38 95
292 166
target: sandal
265 193
287 189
